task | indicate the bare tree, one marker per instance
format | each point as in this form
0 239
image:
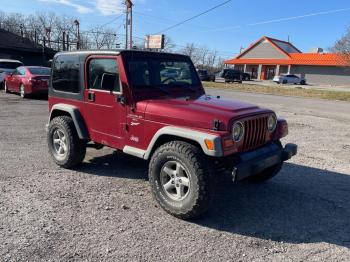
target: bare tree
212 58
192 51
101 38
202 54
168 44
49 29
342 46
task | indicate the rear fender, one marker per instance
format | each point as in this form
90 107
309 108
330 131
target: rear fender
74 113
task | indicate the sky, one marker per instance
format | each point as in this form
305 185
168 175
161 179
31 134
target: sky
307 23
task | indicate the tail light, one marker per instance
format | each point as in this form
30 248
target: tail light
37 81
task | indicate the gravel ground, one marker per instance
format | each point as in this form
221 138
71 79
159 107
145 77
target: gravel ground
104 210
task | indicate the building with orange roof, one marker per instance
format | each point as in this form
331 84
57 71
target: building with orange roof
269 57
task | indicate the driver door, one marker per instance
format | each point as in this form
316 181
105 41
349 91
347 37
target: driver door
106 116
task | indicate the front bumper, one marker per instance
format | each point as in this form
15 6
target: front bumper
254 162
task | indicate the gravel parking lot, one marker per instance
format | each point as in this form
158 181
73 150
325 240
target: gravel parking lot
103 210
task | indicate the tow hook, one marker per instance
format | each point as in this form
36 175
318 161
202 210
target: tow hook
289 151
234 174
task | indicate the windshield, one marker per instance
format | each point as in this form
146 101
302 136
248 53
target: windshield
156 72
9 65
40 70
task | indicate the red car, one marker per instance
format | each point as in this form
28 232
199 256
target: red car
28 80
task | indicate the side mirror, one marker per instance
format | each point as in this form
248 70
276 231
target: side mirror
108 81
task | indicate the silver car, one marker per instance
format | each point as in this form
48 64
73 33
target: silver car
289 79
7 66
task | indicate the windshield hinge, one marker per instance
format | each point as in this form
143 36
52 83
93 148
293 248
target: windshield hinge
216 124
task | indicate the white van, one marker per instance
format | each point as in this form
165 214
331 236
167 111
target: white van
7 66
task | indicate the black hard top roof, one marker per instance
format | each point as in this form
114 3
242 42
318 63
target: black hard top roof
85 53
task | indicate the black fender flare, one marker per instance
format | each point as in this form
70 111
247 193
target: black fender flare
75 114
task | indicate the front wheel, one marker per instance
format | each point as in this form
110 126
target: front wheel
181 179
65 147
22 91
6 88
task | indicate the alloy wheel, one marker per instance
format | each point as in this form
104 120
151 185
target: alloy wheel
175 181
59 142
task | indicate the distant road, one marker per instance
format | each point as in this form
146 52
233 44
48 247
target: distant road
318 107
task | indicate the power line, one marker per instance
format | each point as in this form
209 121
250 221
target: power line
194 17
165 19
283 19
115 19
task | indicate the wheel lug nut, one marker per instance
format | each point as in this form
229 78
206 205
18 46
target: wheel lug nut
172 176
180 181
173 182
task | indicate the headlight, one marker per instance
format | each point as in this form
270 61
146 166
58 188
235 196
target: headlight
272 123
237 131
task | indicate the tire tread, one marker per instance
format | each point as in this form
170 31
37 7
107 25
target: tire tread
204 173
77 146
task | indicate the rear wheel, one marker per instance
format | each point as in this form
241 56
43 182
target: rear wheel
65 147
181 179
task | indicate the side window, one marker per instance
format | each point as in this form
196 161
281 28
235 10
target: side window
103 74
65 76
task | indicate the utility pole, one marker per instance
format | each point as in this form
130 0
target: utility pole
68 42
126 27
76 22
128 23
64 40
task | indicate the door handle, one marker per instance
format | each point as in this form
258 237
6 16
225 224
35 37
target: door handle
91 96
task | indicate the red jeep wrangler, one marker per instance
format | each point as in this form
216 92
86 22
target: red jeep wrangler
153 106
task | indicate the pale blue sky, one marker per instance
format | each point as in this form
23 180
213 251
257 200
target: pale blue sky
309 23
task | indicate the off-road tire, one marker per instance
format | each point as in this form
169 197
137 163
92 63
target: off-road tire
268 173
76 148
202 183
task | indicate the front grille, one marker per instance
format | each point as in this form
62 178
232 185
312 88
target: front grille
255 133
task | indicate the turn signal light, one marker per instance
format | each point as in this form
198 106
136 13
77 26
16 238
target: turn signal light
209 144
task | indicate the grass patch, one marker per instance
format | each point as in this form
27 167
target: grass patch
284 91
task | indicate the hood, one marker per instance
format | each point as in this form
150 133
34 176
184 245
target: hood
199 113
